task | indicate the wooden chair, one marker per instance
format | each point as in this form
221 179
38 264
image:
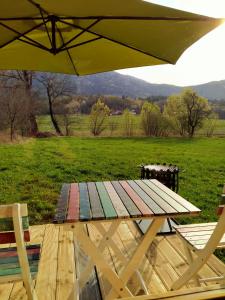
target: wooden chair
202 239
20 262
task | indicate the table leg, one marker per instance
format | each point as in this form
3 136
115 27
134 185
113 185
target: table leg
118 282
93 252
140 251
103 243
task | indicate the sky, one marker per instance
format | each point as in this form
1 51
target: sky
202 62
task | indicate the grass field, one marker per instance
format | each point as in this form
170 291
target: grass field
80 126
33 171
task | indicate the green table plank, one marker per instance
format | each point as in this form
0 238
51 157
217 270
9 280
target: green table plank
106 202
85 208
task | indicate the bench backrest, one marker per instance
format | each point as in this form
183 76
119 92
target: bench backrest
7 234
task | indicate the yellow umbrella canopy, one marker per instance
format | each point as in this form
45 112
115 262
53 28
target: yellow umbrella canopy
89 36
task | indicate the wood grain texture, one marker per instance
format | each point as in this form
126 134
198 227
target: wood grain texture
96 206
6 224
156 198
157 210
74 203
190 207
85 208
106 202
61 210
144 209
116 201
167 198
9 237
128 203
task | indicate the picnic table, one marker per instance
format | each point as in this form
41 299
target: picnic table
115 201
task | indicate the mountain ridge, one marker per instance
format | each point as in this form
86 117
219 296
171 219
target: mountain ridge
116 84
113 83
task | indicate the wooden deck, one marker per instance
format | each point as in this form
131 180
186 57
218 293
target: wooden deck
162 265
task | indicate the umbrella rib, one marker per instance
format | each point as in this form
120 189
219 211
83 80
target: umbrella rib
120 43
77 35
23 35
80 44
68 53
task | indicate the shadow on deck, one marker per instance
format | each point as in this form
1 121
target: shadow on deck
163 264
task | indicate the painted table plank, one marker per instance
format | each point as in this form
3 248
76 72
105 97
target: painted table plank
168 198
161 202
9 237
116 201
96 206
129 204
144 209
74 203
85 208
106 202
145 197
6 224
190 207
61 211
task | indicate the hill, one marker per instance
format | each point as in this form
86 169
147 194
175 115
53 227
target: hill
113 83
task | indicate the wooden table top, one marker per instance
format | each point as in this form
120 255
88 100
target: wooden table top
130 199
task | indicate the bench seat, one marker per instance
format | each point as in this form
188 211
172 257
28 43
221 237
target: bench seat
197 235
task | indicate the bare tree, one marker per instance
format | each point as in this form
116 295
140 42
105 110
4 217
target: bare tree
13 108
57 87
24 78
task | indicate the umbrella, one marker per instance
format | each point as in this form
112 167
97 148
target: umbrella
89 36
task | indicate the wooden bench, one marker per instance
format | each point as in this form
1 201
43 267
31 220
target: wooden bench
202 239
19 262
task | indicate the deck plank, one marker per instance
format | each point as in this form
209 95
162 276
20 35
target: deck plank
47 275
163 263
66 267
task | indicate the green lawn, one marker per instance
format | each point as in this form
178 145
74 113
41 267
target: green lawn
33 171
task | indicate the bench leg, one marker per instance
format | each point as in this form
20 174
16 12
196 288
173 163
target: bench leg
190 260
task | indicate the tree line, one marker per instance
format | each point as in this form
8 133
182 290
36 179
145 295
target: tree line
182 115
21 104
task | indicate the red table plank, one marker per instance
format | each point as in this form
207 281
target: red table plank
74 203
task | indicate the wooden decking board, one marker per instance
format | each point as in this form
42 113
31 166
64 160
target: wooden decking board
46 279
66 267
208 269
163 261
